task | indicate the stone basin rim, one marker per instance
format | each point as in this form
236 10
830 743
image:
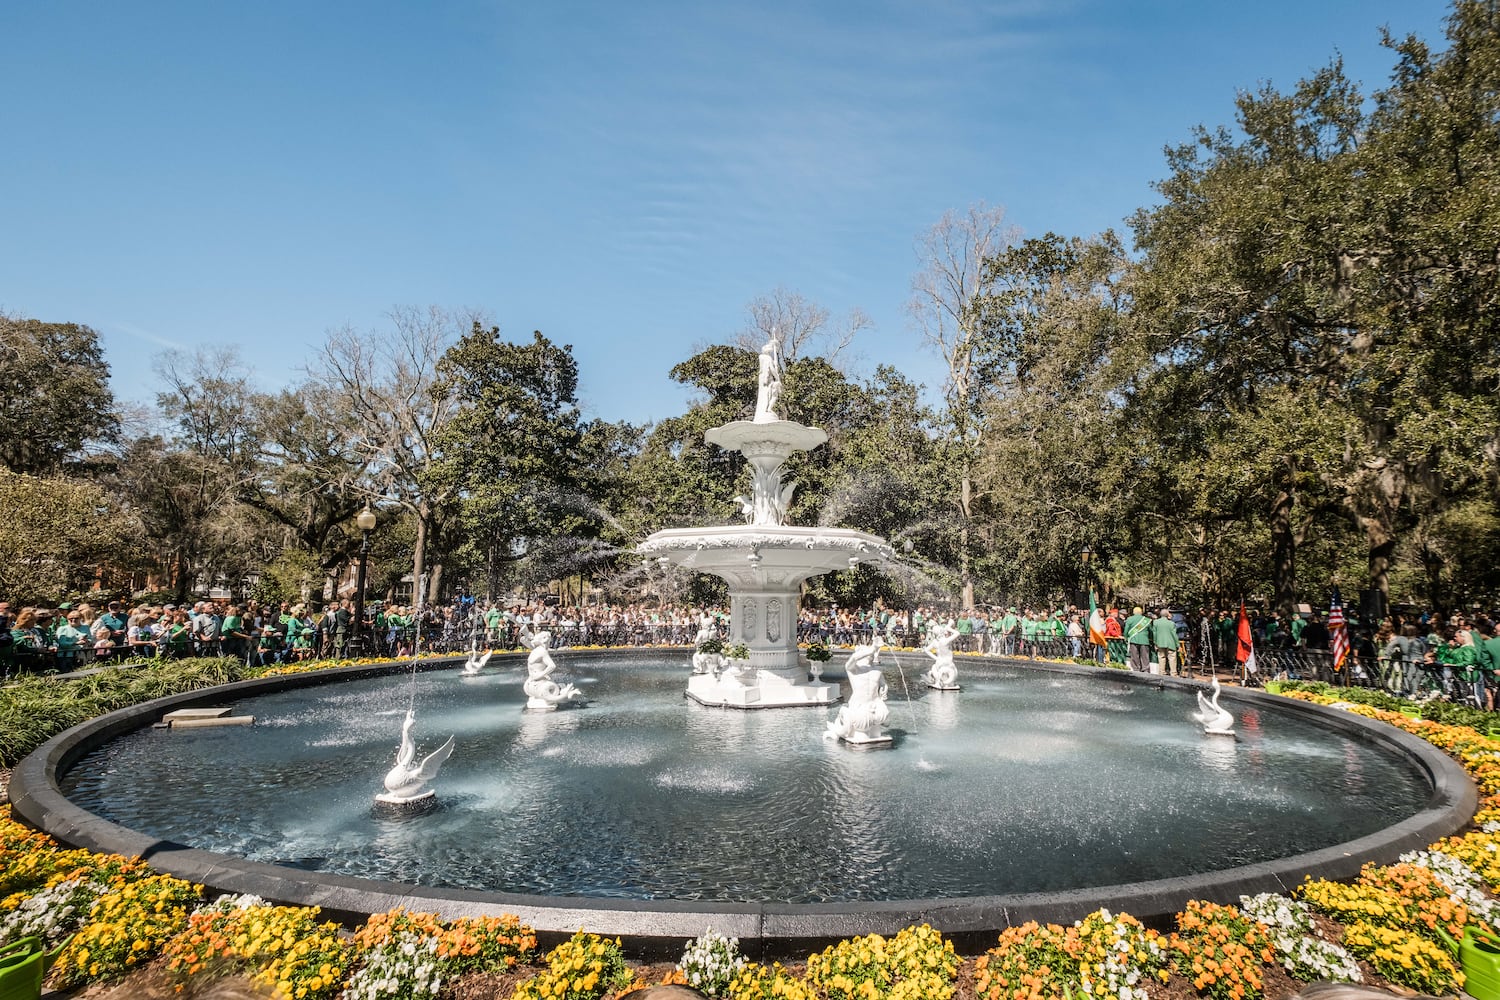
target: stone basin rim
656 929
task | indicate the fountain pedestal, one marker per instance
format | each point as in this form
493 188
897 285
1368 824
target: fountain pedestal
765 563
765 566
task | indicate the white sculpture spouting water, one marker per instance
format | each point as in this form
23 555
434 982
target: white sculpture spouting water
542 693
406 783
942 675
1215 720
859 722
706 663
475 663
765 560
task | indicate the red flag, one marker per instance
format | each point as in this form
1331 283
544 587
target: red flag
1245 650
1338 632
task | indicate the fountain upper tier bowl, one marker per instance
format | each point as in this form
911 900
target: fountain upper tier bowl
778 548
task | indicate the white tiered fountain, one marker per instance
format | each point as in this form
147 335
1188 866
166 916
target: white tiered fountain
765 560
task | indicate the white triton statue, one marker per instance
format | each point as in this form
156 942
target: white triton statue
542 693
769 381
942 675
1216 721
858 723
706 663
407 781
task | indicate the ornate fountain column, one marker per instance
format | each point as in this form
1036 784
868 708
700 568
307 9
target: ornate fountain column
765 561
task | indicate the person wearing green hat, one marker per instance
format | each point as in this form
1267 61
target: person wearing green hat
1008 626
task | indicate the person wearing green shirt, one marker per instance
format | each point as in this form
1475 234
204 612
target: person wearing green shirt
236 639
1008 627
1138 640
1164 638
1492 650
1298 625
1457 654
1030 634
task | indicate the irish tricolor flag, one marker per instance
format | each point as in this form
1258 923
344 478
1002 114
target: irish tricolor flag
1245 651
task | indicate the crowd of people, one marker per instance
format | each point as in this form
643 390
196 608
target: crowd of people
1403 652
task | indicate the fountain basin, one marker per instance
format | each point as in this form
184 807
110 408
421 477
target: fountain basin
861 845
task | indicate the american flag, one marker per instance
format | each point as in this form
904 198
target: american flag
1338 633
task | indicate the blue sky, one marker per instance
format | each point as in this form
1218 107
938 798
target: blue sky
623 176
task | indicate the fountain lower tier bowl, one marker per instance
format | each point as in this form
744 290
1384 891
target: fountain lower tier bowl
1032 794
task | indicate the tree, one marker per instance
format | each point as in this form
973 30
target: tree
186 482
512 447
388 383
57 535
54 394
1055 473
1346 260
801 325
309 472
948 304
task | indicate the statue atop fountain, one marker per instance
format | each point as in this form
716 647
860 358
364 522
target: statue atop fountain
768 385
859 722
406 783
542 693
942 675
765 560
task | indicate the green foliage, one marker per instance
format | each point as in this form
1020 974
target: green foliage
291 576
34 709
54 395
1445 712
55 534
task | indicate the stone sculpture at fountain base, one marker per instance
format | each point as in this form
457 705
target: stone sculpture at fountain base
860 722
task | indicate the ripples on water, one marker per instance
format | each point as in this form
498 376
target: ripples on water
1023 781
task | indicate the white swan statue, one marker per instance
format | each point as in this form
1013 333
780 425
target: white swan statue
859 722
942 675
407 782
1215 720
542 693
475 662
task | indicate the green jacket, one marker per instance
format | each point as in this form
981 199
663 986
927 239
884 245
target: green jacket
1492 647
1462 657
1163 633
1138 630
1482 654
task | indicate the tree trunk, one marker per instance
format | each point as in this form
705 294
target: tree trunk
1382 546
1284 550
434 584
965 576
419 552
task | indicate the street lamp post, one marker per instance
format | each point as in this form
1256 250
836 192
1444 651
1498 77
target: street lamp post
365 521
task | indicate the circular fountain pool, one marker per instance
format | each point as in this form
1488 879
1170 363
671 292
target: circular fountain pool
1027 786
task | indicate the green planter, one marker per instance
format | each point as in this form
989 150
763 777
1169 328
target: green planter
1273 687
1411 713
21 969
1479 955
